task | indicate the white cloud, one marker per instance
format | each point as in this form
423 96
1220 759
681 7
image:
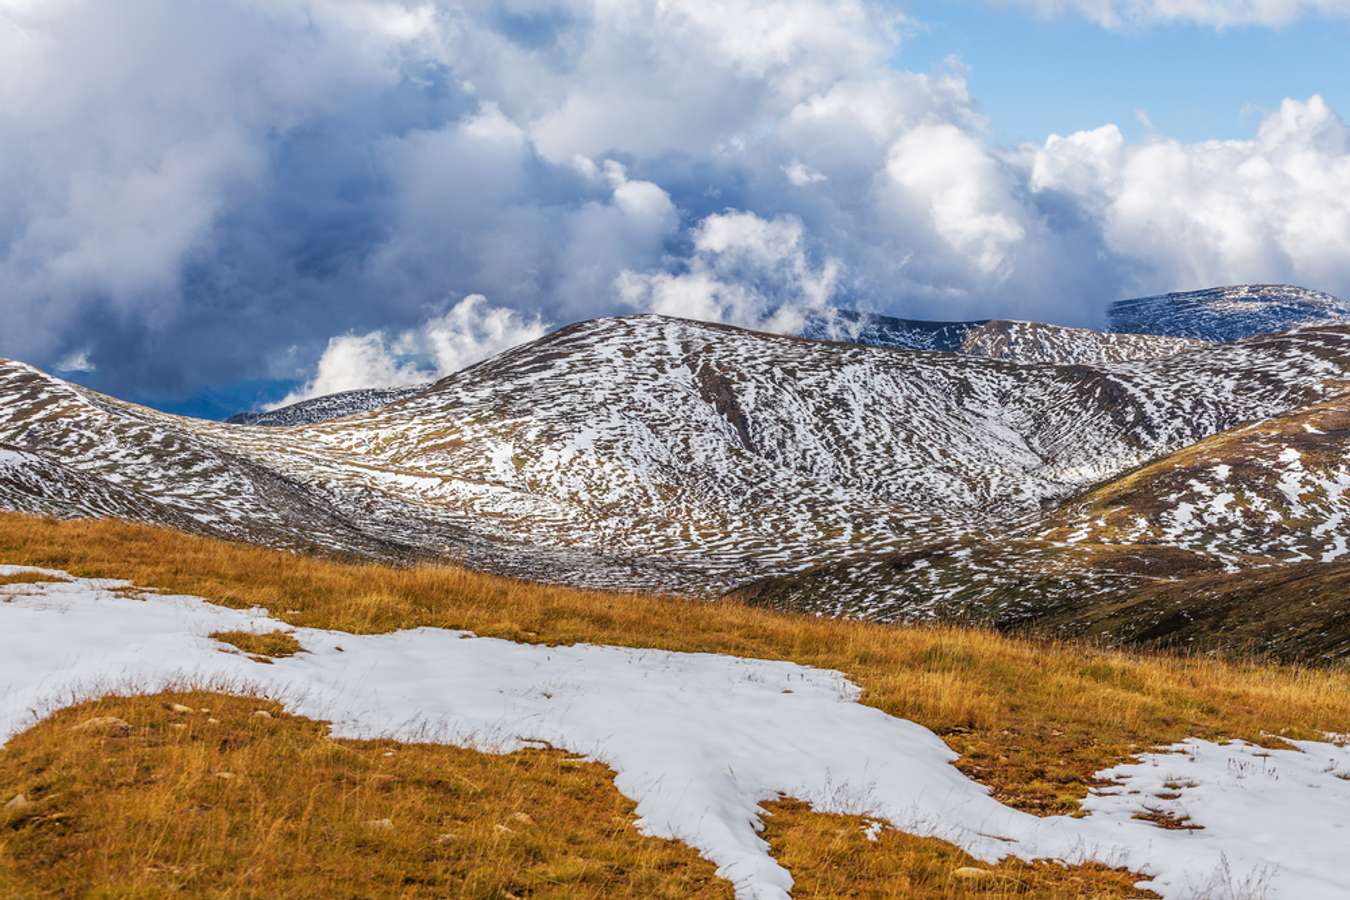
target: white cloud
471 331
744 271
192 190
76 362
801 174
1221 13
1193 215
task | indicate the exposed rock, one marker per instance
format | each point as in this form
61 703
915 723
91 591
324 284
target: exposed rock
106 726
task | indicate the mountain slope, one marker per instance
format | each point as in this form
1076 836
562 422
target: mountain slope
329 406
1236 541
1032 342
1024 342
673 455
1228 313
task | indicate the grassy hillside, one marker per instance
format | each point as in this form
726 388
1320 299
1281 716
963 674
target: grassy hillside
236 804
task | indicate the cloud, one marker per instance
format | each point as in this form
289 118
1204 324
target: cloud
801 175
1195 215
76 362
470 331
1219 13
744 270
202 194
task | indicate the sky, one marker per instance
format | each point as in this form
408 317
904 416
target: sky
232 204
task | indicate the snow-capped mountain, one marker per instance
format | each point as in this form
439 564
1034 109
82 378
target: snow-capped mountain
329 406
666 454
1027 342
1228 313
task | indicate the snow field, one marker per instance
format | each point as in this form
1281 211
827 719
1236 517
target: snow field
698 741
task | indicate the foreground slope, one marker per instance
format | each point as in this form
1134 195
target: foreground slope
688 720
1034 721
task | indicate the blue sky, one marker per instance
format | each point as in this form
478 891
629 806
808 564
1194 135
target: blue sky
213 206
1035 75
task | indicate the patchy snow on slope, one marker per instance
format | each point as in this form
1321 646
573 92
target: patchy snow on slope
698 741
1228 313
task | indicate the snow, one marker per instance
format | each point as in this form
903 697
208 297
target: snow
1288 808
698 741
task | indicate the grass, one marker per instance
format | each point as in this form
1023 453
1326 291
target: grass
832 856
28 578
262 647
222 802
1032 719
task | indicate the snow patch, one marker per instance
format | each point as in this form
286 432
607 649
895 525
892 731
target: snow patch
698 741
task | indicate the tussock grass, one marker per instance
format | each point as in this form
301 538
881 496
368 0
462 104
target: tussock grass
272 645
28 578
832 856
1032 719
226 803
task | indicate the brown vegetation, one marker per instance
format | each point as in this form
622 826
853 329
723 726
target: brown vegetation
1032 719
269 646
205 797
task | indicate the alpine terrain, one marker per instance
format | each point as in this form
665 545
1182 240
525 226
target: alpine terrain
1033 476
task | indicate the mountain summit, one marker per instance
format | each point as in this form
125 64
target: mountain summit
1228 313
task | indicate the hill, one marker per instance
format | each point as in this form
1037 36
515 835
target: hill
329 406
680 457
1022 342
1228 313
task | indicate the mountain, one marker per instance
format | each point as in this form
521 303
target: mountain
664 454
1237 540
329 406
1228 313
1026 342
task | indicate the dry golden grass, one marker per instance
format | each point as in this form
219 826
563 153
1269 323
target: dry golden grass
831 856
227 803
264 647
1034 720
28 578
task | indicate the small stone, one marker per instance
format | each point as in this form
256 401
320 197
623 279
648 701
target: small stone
388 753
180 708
204 711
522 817
212 721
108 726
380 824
261 714
18 802
970 873
225 776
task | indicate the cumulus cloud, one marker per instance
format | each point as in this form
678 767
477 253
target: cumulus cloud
470 331
744 270
1201 214
199 194
1221 13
